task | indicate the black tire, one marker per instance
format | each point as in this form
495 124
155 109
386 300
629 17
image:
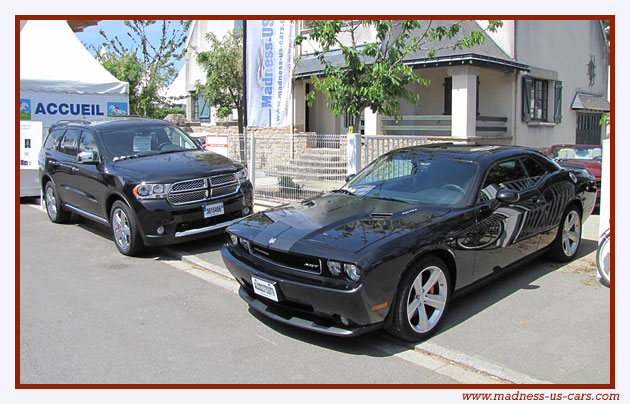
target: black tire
54 206
564 249
125 229
603 259
430 297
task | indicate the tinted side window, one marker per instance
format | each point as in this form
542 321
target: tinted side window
87 142
52 141
70 142
534 170
508 174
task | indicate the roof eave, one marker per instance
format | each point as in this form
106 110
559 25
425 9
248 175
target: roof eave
445 61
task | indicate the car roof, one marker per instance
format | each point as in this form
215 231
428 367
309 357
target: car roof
111 123
469 151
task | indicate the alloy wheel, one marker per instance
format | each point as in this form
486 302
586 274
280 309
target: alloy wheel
571 233
51 203
426 299
122 231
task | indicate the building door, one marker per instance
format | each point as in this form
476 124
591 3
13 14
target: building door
588 131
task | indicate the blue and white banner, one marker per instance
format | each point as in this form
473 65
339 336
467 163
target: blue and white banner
269 72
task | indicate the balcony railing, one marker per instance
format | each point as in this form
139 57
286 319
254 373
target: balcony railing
440 125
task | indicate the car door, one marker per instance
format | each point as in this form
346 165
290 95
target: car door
89 181
64 167
49 154
507 232
558 189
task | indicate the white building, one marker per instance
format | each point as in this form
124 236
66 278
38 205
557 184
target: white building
532 83
197 109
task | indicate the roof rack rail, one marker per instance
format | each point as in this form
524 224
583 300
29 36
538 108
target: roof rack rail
67 121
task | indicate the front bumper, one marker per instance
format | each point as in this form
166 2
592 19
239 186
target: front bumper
340 312
185 223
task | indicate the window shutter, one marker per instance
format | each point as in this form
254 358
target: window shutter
204 109
527 95
557 102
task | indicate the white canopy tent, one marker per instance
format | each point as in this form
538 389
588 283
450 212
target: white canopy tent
52 59
59 80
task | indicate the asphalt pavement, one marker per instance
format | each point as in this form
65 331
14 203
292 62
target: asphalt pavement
544 322
91 315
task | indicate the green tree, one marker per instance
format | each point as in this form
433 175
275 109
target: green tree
147 67
223 65
373 74
223 87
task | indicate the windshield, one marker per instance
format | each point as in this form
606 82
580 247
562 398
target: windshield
593 153
415 178
145 141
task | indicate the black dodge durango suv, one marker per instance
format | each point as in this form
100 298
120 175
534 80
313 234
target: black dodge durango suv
145 178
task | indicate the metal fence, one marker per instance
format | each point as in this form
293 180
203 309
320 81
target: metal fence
294 166
374 146
291 167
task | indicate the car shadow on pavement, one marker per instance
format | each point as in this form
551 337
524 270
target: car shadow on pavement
523 277
380 344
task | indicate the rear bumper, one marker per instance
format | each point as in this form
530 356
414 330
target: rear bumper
321 309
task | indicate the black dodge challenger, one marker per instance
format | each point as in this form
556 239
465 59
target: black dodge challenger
417 225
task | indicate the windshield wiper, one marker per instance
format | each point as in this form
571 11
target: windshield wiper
385 198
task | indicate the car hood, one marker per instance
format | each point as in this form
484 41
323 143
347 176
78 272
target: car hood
332 221
172 167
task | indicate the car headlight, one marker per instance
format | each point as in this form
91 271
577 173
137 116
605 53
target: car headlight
242 175
352 271
151 191
233 239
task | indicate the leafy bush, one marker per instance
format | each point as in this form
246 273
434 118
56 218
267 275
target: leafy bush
288 186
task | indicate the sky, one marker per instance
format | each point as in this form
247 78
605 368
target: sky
113 28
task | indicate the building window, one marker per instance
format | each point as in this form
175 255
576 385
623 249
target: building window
536 100
200 109
539 100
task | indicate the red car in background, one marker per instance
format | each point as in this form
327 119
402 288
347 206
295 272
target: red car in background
588 155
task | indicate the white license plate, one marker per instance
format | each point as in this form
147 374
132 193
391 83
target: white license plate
265 289
215 209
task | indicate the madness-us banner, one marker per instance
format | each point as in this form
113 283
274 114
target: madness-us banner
269 72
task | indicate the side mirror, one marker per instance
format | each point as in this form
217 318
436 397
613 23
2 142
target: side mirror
201 142
87 157
508 196
351 176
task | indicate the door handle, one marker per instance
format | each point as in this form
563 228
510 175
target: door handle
75 169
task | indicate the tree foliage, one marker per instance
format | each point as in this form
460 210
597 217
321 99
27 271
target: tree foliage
373 74
223 65
147 67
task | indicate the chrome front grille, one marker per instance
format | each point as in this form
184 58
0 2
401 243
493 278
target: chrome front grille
223 190
187 197
199 183
203 189
222 179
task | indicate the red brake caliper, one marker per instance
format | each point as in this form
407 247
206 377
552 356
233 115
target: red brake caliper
432 290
